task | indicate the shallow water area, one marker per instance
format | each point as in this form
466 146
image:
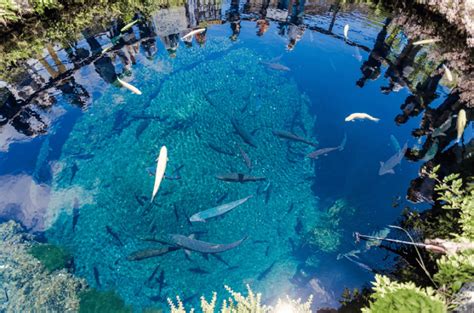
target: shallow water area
80 170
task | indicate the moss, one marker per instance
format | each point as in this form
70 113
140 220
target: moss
51 256
92 301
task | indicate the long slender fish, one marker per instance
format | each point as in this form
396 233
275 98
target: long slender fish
425 41
291 136
461 124
160 170
441 130
395 144
130 87
360 116
387 167
112 233
217 211
150 253
276 66
75 214
239 177
324 151
219 149
247 138
193 32
245 156
202 246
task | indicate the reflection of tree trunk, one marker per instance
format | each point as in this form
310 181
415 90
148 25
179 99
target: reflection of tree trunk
55 57
333 20
48 68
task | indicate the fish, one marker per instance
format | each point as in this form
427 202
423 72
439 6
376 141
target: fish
75 214
198 270
460 124
276 66
267 251
219 149
430 154
161 281
74 169
426 41
96 276
114 235
148 282
222 198
293 137
356 116
448 73
218 210
193 32
346 31
290 209
267 271
160 170
246 136
141 127
130 87
128 26
387 167
362 265
324 151
246 158
176 215
395 143
443 128
150 253
239 177
268 192
202 246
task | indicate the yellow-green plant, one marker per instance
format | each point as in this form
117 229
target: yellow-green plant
454 271
391 296
238 303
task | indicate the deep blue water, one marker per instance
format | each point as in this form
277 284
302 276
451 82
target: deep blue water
95 159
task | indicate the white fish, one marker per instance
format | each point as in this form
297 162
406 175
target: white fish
360 116
130 87
160 170
346 31
461 123
448 73
193 32
425 41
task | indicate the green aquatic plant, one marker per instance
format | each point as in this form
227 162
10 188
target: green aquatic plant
391 296
239 303
52 257
93 300
454 271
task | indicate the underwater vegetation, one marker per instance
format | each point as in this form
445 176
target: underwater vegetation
51 256
93 300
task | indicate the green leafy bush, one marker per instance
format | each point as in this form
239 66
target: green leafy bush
392 296
94 301
51 256
455 270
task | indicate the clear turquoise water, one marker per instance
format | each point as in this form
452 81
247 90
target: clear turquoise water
90 168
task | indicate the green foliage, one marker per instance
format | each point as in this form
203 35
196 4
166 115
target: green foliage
238 303
94 301
51 256
455 270
392 296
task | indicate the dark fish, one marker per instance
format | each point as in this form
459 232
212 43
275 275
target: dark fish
83 156
176 215
220 259
141 128
150 253
246 158
293 137
264 274
290 209
74 169
112 233
299 226
325 151
202 246
239 177
198 270
267 251
222 198
150 279
161 280
75 214
268 191
141 200
219 149
157 298
96 276
246 137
